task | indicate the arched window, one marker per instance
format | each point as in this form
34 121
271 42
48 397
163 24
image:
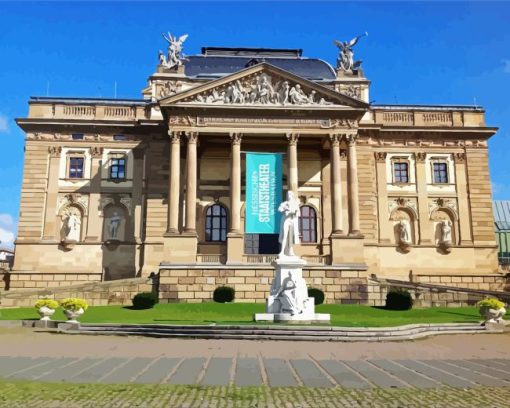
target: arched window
216 223
308 224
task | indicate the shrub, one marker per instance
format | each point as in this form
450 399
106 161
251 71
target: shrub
144 300
49 303
223 294
74 304
317 294
489 303
399 299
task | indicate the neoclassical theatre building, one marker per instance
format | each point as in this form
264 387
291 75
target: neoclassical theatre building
119 188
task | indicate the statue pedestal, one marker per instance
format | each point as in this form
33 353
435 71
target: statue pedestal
288 300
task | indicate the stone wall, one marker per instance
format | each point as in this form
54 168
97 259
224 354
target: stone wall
119 292
181 284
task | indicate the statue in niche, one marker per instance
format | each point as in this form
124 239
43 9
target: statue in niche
72 227
175 55
404 233
446 232
113 226
345 60
289 227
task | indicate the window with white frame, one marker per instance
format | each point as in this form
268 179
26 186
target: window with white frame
75 166
117 170
400 170
439 171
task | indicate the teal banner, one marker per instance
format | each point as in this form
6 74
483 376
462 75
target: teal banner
263 192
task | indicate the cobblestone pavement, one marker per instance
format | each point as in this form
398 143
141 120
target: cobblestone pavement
271 372
66 395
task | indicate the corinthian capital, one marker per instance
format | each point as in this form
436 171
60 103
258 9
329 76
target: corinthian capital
235 138
54 151
292 138
335 139
192 137
351 139
175 137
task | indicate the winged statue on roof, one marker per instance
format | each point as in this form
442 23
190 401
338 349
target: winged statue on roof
345 60
175 55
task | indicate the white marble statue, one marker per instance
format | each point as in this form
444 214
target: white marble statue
175 55
446 232
404 232
287 296
113 226
289 226
345 60
162 59
297 96
72 227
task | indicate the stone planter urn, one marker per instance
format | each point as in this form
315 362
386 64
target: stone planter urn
45 312
492 315
73 315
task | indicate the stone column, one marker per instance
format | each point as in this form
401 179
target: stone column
191 183
354 228
95 223
174 181
336 184
292 183
50 215
235 236
385 227
426 231
465 233
235 183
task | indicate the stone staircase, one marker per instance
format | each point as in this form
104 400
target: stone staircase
289 333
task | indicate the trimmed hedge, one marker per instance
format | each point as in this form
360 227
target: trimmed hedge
317 294
224 294
145 300
399 299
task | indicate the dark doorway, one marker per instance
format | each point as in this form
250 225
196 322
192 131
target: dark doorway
261 244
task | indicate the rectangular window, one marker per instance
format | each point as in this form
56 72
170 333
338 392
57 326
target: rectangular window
440 173
400 172
76 167
77 136
119 137
118 168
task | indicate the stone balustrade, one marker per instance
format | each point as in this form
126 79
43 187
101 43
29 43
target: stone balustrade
418 117
88 111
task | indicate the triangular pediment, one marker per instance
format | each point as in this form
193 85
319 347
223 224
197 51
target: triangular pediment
263 85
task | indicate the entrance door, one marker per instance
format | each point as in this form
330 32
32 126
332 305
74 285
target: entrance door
261 244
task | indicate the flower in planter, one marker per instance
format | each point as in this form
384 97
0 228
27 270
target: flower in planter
74 308
492 310
46 308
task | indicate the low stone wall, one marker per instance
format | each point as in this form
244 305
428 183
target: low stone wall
183 284
444 291
27 280
118 292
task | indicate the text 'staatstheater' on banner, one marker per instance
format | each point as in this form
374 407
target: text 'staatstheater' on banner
263 192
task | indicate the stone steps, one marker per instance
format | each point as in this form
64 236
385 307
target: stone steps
292 333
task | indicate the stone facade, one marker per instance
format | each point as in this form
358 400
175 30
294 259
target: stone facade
362 170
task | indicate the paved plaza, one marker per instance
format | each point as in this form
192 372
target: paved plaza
272 372
53 370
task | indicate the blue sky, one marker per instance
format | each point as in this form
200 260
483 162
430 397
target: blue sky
416 53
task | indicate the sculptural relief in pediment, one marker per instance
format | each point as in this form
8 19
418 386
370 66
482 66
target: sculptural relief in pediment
260 89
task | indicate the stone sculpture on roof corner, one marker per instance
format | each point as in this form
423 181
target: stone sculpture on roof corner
345 61
175 55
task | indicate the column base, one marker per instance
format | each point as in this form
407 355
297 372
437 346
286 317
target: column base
181 248
346 249
235 248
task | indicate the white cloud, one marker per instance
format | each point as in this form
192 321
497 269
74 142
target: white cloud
6 219
4 125
506 68
6 237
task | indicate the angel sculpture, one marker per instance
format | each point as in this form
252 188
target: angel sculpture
345 60
175 55
162 59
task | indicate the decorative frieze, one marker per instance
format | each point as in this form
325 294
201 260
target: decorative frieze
96 152
420 157
402 202
67 200
55 151
438 203
460 157
260 89
380 156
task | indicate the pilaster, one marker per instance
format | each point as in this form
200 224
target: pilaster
385 232
50 215
95 221
426 232
235 236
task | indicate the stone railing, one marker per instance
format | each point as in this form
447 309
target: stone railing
259 259
212 259
421 118
90 111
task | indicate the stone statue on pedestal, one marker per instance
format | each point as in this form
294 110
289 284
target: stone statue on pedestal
289 227
345 60
175 55
72 227
446 232
113 226
404 233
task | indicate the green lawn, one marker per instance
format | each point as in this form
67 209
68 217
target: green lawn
241 313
